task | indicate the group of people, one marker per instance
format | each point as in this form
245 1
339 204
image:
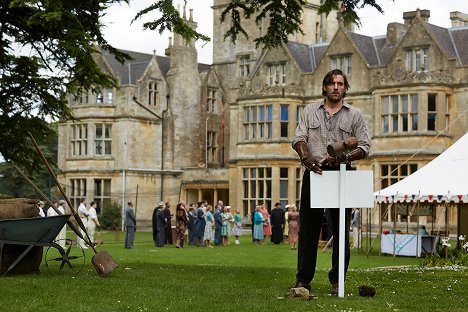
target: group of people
203 225
280 225
214 225
87 215
162 231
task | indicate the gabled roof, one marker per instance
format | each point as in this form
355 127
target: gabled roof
132 70
459 37
443 39
453 42
307 56
367 47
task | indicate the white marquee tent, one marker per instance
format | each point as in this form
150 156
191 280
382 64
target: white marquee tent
444 179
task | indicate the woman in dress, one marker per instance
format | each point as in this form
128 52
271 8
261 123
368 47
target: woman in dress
293 223
266 223
286 227
200 224
181 224
226 228
237 230
258 226
209 235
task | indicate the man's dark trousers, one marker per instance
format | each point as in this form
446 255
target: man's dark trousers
310 224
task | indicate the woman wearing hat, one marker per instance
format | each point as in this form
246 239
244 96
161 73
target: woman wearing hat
237 229
226 228
40 206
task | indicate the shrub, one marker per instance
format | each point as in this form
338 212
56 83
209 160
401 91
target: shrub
111 216
447 256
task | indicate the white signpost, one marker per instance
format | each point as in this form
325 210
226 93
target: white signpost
342 189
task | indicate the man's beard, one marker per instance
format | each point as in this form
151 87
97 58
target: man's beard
335 97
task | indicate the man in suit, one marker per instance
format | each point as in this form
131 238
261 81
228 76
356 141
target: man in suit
191 224
218 222
130 224
160 225
168 214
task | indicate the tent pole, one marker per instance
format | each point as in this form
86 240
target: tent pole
407 219
380 228
394 228
458 225
417 232
446 221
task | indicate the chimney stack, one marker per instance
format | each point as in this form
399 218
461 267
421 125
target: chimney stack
458 19
409 17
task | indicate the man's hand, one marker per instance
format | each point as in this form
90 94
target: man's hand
303 152
312 166
335 160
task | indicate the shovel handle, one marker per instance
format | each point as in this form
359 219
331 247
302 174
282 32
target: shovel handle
70 224
49 168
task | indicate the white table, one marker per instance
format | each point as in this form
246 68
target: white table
408 244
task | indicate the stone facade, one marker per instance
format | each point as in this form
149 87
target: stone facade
178 130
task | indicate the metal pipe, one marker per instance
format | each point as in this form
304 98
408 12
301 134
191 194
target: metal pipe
162 146
122 212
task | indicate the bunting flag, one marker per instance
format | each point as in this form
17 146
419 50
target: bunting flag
430 197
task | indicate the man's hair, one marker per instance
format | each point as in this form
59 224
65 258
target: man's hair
92 203
82 200
329 78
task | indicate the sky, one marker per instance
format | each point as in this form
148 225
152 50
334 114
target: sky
123 35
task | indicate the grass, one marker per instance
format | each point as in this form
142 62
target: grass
233 278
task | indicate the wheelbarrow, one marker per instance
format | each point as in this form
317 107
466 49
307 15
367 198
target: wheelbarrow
40 232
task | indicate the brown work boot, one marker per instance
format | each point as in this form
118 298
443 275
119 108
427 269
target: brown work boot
334 289
300 284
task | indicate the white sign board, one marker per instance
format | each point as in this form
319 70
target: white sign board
325 189
342 189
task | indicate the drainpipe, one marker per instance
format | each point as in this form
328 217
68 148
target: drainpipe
162 145
206 142
123 199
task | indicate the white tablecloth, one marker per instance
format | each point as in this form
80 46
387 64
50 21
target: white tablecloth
408 244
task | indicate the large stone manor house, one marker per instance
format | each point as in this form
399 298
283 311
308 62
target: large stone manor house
177 130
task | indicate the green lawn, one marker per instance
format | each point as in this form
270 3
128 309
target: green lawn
244 277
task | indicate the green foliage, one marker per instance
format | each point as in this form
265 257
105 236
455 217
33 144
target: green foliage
449 257
47 49
170 20
285 18
348 9
111 216
14 185
282 17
